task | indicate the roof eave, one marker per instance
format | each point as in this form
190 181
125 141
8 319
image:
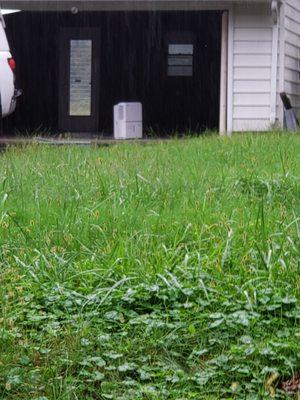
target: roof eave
61 5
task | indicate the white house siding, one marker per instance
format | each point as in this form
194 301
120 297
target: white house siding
292 52
252 60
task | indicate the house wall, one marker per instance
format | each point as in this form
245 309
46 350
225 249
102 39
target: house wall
292 52
132 67
252 61
250 57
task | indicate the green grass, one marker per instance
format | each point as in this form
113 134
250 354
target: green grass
166 271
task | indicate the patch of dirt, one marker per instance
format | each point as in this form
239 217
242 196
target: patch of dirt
291 386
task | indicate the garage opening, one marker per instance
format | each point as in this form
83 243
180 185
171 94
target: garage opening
74 67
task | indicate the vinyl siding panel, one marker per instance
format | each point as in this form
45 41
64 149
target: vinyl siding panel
251 112
245 86
292 52
252 74
251 125
252 59
250 47
244 99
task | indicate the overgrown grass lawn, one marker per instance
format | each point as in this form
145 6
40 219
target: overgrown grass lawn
165 271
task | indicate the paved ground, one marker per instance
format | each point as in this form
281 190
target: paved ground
80 141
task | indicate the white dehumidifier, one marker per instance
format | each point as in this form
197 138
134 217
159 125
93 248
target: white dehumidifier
128 121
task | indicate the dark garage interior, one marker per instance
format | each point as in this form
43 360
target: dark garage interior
168 61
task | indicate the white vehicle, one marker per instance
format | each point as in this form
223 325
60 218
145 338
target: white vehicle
8 92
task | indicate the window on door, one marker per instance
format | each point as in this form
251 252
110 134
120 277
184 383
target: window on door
180 59
80 78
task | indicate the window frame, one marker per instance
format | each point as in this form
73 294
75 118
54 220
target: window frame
180 38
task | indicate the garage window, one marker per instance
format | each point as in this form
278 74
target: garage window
180 59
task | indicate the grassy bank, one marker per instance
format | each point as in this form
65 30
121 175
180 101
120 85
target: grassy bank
166 271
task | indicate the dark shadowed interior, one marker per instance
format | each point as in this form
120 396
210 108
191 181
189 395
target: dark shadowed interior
168 61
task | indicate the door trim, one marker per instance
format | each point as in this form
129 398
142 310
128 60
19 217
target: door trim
224 75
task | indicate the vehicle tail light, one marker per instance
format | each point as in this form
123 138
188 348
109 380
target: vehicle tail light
12 64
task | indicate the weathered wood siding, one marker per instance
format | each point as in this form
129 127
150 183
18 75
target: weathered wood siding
252 59
292 52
